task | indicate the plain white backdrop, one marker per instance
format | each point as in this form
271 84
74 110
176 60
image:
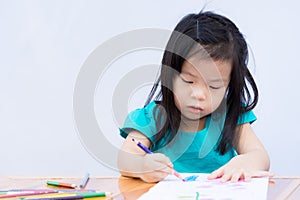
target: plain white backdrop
43 45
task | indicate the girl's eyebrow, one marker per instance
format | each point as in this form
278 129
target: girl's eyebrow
188 73
218 80
221 80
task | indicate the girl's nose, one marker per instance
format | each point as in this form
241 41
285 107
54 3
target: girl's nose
199 93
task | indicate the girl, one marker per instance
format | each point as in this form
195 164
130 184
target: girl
200 119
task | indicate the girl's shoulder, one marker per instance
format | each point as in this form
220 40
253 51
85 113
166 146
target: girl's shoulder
147 111
247 117
143 120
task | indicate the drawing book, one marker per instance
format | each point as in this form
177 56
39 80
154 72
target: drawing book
198 187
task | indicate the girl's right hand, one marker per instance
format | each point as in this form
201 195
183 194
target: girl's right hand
155 167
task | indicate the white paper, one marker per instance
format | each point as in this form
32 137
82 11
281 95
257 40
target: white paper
172 188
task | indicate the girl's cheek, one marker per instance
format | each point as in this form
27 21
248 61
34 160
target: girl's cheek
216 100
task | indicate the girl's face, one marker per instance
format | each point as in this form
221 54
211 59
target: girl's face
200 87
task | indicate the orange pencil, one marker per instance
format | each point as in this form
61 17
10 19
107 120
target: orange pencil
55 183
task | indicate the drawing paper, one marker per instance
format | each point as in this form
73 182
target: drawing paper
203 189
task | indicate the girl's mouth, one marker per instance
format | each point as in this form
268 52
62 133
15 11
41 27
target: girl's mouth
194 109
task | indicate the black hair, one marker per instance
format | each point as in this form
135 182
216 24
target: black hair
223 41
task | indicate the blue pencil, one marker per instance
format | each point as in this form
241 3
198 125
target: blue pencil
85 180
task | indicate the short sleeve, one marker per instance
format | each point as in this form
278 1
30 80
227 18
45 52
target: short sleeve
142 120
247 117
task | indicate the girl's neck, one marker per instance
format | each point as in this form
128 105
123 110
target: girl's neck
188 125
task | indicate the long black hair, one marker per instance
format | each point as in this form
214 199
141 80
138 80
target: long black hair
223 41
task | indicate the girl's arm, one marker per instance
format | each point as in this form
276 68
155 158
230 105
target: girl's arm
252 159
134 162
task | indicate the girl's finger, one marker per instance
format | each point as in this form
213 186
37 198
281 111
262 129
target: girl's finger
150 178
226 177
247 177
162 159
258 174
160 175
166 170
216 174
236 176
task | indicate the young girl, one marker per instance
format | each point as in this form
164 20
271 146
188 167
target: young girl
200 119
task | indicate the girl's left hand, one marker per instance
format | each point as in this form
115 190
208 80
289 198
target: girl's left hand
234 171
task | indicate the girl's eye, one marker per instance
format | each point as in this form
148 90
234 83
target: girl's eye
186 81
215 88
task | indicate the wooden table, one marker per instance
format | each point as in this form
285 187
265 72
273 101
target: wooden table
128 188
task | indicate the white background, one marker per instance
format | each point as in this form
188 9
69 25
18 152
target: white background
43 45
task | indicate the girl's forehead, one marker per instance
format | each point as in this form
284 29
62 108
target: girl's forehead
207 67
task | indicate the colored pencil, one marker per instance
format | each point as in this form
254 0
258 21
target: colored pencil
25 190
74 196
26 193
55 183
144 148
85 180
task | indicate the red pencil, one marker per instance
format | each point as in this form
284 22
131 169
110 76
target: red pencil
27 193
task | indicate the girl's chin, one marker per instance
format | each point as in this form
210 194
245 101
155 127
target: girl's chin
193 117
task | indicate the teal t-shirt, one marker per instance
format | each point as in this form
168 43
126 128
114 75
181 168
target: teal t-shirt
194 152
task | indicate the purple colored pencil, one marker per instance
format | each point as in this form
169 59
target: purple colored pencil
144 148
62 198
